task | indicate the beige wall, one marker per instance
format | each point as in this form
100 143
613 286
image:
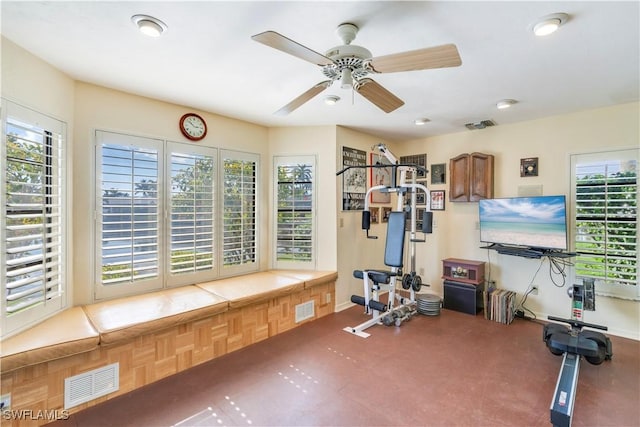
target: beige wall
342 245
552 140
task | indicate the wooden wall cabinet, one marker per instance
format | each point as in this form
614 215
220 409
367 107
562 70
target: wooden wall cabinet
471 177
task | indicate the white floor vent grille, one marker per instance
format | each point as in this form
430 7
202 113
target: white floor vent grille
91 385
304 311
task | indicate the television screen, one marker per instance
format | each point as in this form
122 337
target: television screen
535 222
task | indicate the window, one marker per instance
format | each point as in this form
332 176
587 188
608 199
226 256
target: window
157 223
130 207
191 205
32 190
294 195
239 211
606 227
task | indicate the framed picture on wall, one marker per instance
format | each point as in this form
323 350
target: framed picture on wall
421 196
375 215
354 181
529 167
437 200
380 176
438 173
416 159
385 213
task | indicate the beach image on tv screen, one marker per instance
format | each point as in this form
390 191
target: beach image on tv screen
524 221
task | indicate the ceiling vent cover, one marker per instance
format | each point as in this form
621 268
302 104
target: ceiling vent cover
480 125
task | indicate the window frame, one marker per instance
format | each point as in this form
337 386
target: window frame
230 270
102 291
205 274
311 161
606 287
56 176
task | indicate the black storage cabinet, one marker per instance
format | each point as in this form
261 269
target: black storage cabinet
463 297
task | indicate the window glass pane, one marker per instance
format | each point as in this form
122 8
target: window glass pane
130 213
295 212
606 229
192 205
32 234
239 211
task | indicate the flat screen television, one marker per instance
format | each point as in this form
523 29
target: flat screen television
532 222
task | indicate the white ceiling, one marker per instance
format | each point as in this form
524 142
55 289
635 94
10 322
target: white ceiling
207 60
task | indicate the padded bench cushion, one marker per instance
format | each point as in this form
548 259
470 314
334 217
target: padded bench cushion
252 288
64 334
310 277
133 316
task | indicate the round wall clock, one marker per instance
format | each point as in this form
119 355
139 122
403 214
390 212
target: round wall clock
193 126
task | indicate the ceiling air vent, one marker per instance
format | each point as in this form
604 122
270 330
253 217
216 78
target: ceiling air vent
480 125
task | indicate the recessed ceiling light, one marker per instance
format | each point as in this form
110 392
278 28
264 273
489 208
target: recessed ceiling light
505 103
331 99
549 24
148 25
420 122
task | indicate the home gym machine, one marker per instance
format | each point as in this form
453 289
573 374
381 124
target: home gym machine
574 343
375 280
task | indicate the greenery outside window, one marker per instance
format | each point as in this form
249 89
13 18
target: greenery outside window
295 211
191 223
239 237
605 195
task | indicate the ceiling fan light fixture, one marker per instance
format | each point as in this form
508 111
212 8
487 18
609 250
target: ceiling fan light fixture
346 81
331 99
505 103
549 24
421 122
149 26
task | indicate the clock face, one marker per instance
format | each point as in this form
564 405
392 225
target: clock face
193 126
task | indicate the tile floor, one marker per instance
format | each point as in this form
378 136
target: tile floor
454 369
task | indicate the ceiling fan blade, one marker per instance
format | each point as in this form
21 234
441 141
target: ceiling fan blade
303 98
280 42
378 95
421 59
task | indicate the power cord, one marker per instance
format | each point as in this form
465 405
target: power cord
557 267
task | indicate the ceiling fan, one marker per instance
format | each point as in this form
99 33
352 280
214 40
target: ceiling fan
351 65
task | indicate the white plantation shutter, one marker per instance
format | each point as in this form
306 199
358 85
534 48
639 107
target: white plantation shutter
130 210
295 219
168 215
606 220
33 229
191 210
239 211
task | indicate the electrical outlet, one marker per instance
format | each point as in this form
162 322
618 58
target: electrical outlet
5 402
327 298
534 290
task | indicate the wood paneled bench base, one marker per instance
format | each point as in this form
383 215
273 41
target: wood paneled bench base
187 333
